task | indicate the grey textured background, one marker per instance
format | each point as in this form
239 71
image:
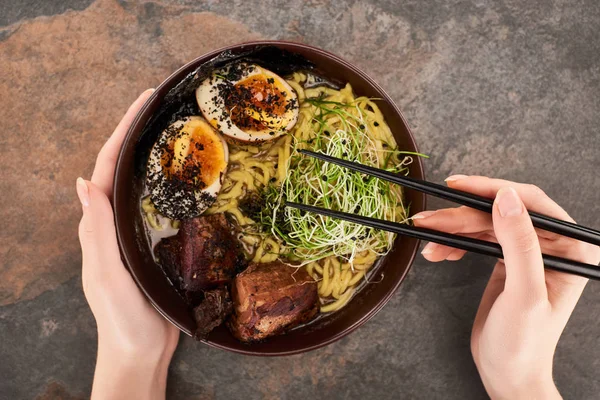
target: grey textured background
506 88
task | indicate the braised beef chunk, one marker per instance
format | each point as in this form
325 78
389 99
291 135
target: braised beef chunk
203 255
212 311
167 252
270 299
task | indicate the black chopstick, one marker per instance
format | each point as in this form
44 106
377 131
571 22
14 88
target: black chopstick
459 242
541 221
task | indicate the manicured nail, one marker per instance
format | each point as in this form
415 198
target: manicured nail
429 248
454 178
423 215
83 192
509 203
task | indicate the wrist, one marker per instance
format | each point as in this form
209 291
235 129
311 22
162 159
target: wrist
538 389
137 349
130 374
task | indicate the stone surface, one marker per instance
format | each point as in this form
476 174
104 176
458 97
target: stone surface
508 89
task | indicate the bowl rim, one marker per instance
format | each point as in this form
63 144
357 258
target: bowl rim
169 82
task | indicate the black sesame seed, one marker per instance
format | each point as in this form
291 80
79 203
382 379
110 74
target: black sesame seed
376 123
362 126
324 177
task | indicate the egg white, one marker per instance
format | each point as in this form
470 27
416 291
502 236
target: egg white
212 104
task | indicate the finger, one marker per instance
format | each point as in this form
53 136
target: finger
522 254
101 257
455 220
107 158
564 290
532 196
494 287
464 220
435 252
455 255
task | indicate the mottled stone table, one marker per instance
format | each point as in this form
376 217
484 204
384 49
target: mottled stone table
509 89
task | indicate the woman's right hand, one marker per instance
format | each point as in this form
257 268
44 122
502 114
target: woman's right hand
524 308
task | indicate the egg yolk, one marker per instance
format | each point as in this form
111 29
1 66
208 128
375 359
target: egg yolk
196 155
258 102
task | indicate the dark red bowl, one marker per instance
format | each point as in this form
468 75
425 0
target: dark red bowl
137 255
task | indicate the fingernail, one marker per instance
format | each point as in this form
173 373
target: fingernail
423 215
509 203
83 192
454 178
428 249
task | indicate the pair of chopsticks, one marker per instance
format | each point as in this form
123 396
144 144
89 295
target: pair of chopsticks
544 222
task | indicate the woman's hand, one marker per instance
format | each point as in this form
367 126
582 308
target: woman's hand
135 343
524 308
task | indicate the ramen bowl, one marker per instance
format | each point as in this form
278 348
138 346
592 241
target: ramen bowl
385 277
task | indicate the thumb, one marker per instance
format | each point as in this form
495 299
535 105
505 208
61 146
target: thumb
514 230
101 257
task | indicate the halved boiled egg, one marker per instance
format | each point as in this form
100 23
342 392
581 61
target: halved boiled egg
248 103
186 168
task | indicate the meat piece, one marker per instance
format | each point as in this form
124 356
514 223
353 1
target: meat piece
210 254
212 311
270 299
167 252
203 255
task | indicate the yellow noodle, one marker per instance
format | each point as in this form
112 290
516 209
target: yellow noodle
250 239
238 156
280 166
356 277
336 278
237 213
235 192
369 257
267 258
147 206
318 269
324 286
339 303
258 254
296 86
266 169
153 221
309 268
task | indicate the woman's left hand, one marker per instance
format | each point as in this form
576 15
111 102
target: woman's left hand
135 343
